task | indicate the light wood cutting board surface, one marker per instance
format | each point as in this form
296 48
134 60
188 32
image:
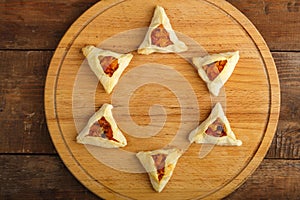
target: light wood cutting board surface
250 98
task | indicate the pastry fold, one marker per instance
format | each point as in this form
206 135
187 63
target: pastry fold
160 36
216 76
102 130
215 130
159 165
107 65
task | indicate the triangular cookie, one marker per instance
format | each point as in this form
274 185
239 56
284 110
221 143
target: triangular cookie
159 165
101 130
216 69
215 130
107 65
161 36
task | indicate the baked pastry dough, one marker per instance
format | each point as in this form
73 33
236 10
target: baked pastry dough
216 69
161 36
159 165
107 65
101 130
215 130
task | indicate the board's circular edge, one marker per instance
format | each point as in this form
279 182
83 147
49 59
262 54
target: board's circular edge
70 161
274 108
50 104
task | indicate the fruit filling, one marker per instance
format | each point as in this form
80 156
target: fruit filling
109 64
101 128
216 129
160 37
214 69
159 161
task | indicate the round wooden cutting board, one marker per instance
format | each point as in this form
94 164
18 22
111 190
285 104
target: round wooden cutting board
160 98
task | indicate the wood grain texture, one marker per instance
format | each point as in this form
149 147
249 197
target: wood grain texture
22 118
255 70
280 180
277 21
20 28
37 24
13 93
274 179
31 177
12 96
286 143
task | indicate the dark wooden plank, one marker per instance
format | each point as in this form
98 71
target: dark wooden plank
45 177
38 177
26 24
41 24
277 20
286 143
22 118
274 179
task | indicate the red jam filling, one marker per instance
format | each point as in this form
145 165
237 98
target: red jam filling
102 128
214 69
160 37
216 129
109 64
159 161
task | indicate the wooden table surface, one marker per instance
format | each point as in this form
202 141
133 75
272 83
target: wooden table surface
30 167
